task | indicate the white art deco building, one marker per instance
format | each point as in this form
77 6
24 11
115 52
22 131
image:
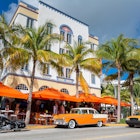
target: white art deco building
72 29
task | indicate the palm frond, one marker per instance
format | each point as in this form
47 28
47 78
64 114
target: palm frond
111 77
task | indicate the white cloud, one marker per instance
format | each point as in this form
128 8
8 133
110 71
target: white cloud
9 14
106 18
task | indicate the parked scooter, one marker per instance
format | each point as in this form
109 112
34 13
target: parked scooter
7 124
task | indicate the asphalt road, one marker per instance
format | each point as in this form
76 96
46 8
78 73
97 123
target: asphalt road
84 133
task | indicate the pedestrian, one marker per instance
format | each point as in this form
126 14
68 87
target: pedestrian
55 108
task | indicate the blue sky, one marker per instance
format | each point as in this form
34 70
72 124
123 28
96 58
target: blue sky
4 6
107 19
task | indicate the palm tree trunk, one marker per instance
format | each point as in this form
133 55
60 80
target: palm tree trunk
131 94
29 101
77 81
119 98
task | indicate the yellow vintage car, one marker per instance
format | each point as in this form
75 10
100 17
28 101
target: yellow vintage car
79 117
133 120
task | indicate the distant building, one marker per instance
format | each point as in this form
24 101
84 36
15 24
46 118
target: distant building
72 29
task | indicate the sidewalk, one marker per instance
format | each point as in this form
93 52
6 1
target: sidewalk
32 126
115 124
36 126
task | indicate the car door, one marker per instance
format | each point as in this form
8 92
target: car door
94 118
87 116
83 118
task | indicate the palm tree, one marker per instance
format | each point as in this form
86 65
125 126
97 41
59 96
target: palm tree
1 64
131 65
107 90
5 37
5 31
79 58
125 95
136 90
137 93
114 53
33 48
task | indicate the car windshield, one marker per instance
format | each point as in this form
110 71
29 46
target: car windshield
137 113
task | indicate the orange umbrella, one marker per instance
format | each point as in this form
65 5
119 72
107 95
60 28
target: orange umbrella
46 94
95 99
10 92
51 93
114 101
110 100
84 98
125 104
90 98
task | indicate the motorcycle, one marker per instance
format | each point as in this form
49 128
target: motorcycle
7 124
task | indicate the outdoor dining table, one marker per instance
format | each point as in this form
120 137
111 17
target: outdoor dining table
48 117
21 115
7 112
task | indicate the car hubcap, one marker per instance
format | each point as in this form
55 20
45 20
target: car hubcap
72 124
99 124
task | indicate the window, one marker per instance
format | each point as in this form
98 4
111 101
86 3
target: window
93 94
62 34
46 69
21 87
66 33
67 73
61 74
49 28
29 23
61 51
92 78
92 46
96 112
79 40
91 111
48 47
69 38
25 67
76 111
43 87
84 112
80 91
64 90
68 52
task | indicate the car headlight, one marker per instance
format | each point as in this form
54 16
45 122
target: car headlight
127 119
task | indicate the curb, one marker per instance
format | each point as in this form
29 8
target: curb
31 127
115 124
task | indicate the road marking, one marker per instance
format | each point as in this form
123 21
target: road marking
112 136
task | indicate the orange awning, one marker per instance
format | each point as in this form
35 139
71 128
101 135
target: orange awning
10 92
51 93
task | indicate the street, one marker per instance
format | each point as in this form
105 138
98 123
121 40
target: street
83 133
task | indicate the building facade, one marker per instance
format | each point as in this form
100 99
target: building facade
72 30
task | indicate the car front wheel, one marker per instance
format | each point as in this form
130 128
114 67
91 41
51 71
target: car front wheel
100 124
71 124
131 125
